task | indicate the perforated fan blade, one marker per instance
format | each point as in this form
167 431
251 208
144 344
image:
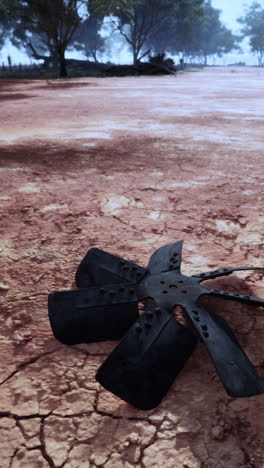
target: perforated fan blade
238 375
101 321
146 362
94 314
223 272
250 300
100 267
166 258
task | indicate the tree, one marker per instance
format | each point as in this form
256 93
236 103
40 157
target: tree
210 36
7 11
253 27
3 15
136 20
177 30
140 21
37 44
49 25
88 38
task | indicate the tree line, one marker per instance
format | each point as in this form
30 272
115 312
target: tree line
192 28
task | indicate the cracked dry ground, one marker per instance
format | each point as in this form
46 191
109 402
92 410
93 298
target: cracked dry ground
127 165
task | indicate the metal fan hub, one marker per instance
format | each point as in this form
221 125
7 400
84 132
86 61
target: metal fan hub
170 289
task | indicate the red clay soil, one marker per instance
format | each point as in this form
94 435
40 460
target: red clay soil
127 165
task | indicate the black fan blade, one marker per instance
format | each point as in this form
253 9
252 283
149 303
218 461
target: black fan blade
232 364
145 363
251 300
223 272
94 314
99 267
166 258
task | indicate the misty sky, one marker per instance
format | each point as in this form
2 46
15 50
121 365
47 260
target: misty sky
231 10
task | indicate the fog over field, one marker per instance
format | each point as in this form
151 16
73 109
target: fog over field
231 10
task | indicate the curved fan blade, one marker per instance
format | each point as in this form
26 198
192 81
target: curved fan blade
233 366
222 272
94 314
166 258
99 267
251 300
145 363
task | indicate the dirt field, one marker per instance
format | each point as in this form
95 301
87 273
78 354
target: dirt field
127 165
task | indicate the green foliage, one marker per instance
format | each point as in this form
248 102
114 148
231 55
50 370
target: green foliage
88 38
177 30
47 28
141 22
195 30
210 36
58 19
7 12
110 7
7 8
253 27
48 25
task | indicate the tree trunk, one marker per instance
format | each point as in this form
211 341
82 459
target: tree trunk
135 57
62 64
94 55
260 59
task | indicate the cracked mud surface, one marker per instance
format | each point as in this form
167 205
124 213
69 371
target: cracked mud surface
127 165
